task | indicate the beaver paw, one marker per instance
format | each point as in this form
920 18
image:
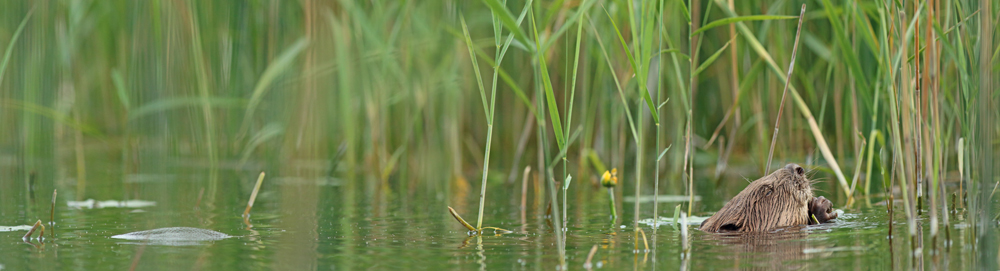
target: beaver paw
820 207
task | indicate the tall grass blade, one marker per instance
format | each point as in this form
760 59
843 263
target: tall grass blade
727 21
550 97
119 81
711 59
489 120
176 103
52 114
636 70
276 68
10 45
618 85
501 12
845 48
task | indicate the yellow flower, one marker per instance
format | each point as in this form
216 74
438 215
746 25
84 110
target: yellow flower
610 179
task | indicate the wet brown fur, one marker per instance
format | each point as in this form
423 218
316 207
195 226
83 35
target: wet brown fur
783 198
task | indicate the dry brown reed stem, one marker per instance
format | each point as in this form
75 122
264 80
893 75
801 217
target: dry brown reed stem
460 220
52 214
524 193
197 202
590 257
857 170
688 162
138 255
692 86
645 243
32 230
961 170
781 107
253 196
522 143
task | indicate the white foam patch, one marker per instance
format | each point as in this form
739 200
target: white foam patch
93 204
178 234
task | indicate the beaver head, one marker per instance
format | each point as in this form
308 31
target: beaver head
777 200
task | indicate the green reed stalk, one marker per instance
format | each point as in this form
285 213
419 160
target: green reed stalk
498 19
569 104
3 69
875 135
659 95
857 169
628 112
546 82
10 45
641 28
693 58
489 120
611 203
564 188
201 73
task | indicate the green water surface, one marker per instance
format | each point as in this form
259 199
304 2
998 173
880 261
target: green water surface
304 220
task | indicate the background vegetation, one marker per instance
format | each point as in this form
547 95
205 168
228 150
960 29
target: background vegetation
893 95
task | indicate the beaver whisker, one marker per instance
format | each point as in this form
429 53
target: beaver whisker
812 172
745 178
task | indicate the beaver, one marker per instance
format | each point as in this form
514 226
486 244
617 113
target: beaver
782 199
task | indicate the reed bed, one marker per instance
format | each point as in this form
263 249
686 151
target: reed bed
900 89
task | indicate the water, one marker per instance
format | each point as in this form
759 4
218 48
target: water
304 219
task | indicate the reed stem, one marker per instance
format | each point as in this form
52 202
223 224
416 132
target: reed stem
27 237
253 195
781 107
611 204
52 214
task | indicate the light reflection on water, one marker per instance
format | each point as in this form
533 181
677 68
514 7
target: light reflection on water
355 226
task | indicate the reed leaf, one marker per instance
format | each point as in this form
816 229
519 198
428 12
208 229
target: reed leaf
276 68
550 97
119 81
175 103
500 11
636 70
10 45
751 39
460 220
729 20
711 59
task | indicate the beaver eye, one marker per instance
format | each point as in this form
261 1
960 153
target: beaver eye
768 190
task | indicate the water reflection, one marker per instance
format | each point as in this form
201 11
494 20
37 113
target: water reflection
366 223
782 249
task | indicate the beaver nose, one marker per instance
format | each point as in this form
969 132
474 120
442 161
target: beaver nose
795 168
